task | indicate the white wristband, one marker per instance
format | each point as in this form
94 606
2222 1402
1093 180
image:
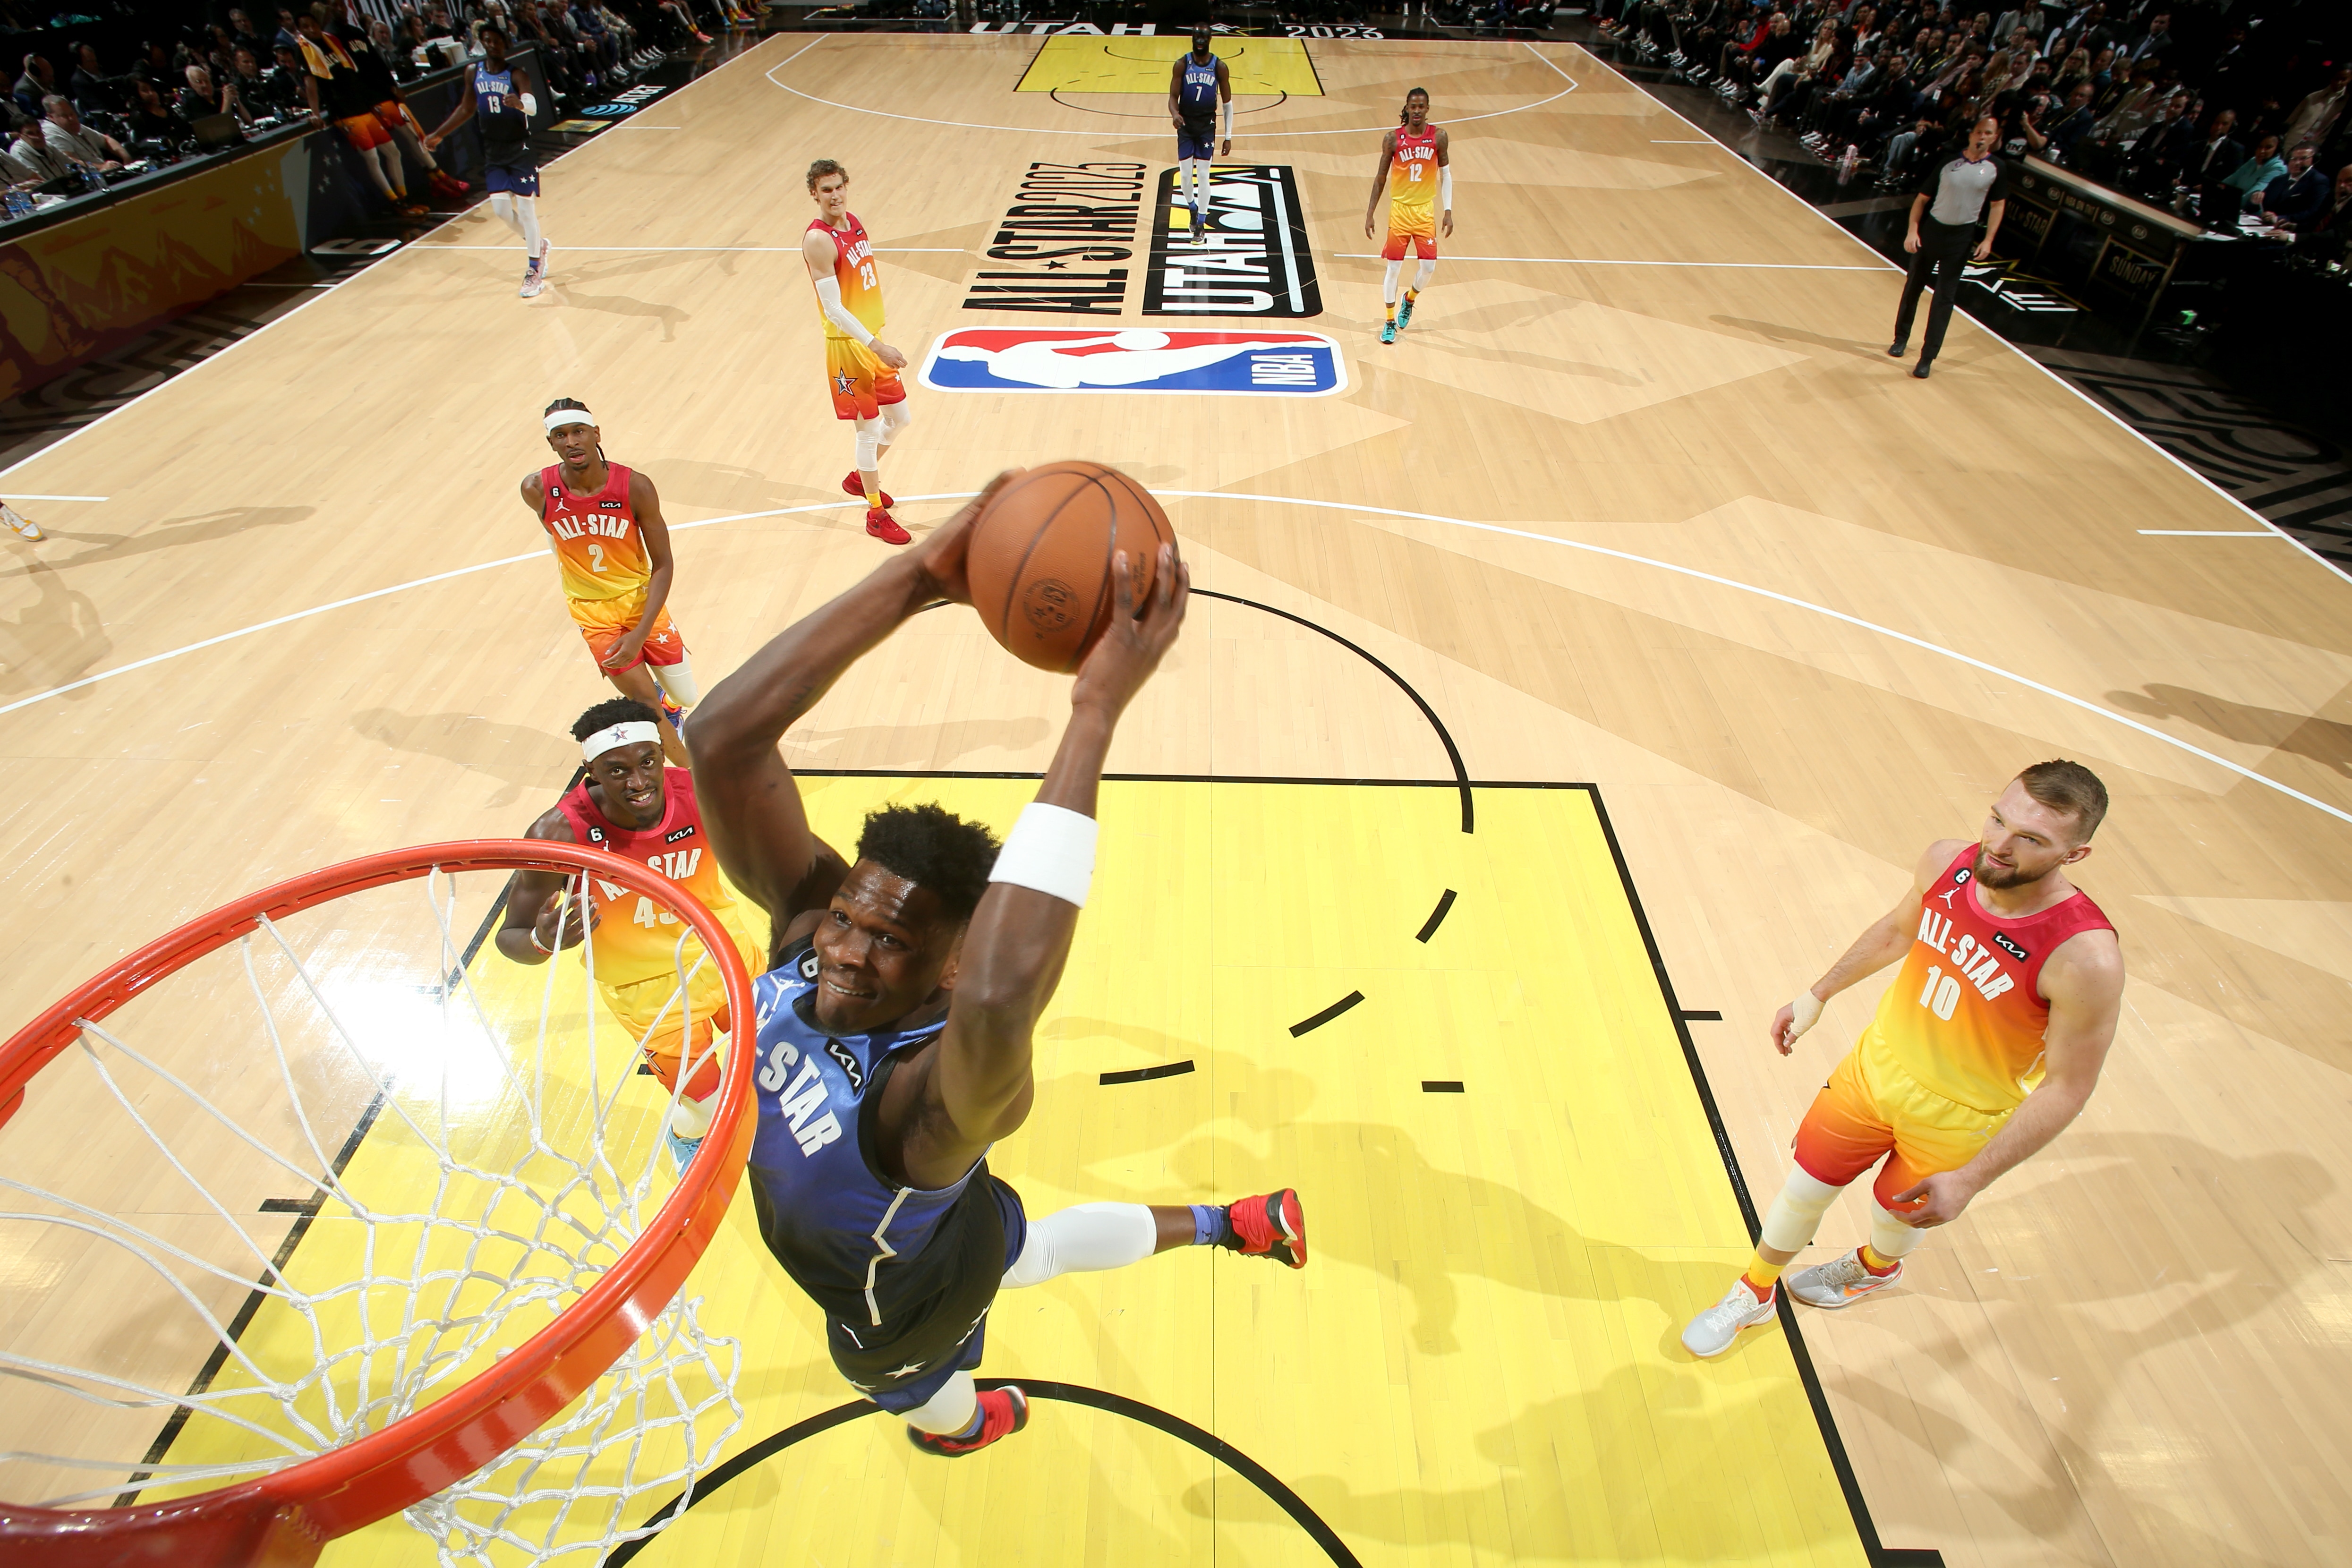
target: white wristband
530 105
1445 189
1229 119
1051 850
1806 1009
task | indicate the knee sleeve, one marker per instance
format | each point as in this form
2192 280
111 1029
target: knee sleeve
502 208
1796 1213
950 1410
1889 1236
1389 283
895 416
869 438
678 679
1427 270
527 220
1081 1239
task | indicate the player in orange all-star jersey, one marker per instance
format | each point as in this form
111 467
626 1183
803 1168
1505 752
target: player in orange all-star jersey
613 550
1416 171
861 371
628 804
1987 1045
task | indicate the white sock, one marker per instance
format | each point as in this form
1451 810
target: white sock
949 1411
1082 1240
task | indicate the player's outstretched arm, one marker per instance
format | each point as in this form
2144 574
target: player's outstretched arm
1883 941
458 115
1175 86
751 804
1019 937
2083 984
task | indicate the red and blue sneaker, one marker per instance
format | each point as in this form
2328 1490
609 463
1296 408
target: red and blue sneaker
1002 1412
1270 1225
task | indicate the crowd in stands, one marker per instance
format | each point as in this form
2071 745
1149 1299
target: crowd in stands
74 121
2175 104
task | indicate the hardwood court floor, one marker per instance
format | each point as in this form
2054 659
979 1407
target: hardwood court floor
1644 505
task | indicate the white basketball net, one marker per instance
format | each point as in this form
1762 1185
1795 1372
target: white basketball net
451 1235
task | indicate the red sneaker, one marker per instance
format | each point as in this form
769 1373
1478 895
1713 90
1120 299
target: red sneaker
1269 1226
1002 1412
884 527
854 486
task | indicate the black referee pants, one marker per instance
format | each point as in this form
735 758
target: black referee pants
1943 250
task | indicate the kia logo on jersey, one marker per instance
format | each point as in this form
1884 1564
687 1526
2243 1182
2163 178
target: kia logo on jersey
1243 363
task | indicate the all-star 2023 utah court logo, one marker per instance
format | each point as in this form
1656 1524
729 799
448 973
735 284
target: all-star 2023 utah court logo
1244 362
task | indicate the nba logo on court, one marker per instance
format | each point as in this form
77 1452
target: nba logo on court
1246 363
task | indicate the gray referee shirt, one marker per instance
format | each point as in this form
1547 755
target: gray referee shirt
1958 190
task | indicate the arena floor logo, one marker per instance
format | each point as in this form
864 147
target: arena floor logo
1246 363
1062 215
1252 256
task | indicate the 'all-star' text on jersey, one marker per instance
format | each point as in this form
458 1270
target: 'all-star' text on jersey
504 128
905 1275
598 547
1412 182
1196 96
853 268
633 938
1965 1014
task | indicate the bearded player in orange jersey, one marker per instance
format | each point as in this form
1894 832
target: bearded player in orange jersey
861 371
629 804
613 550
1987 1045
1416 170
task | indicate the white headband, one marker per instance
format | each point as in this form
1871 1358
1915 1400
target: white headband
629 733
562 416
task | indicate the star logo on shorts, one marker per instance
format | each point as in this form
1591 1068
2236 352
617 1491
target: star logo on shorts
845 384
910 1370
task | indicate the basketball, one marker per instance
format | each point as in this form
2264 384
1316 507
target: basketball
1041 555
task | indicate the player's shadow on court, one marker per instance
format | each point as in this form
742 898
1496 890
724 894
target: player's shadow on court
2324 741
2255 1244
519 757
55 639
1773 332
687 481
172 532
1374 1201
568 292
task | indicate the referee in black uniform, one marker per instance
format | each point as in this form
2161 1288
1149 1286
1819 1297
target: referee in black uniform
1959 190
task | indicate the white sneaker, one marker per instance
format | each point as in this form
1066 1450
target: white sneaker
1711 1332
534 279
1840 1282
23 527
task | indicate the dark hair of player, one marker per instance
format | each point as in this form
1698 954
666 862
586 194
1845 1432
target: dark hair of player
1404 115
2068 787
819 169
504 36
611 712
933 848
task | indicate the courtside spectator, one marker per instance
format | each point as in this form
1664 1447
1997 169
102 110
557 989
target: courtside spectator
157 130
79 143
31 150
2297 194
2220 206
38 82
89 86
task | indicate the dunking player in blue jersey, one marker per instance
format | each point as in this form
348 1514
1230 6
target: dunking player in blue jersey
894 1020
502 96
1196 86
